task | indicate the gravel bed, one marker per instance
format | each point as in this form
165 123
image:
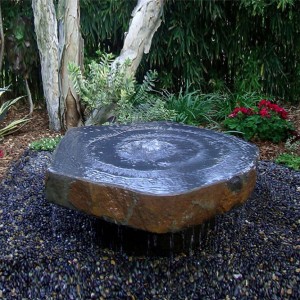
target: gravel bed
49 252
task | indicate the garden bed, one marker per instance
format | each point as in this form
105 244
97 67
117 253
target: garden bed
15 144
51 252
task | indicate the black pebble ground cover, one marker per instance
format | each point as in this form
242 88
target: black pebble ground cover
49 252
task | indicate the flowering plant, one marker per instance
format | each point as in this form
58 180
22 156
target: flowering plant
1 153
266 121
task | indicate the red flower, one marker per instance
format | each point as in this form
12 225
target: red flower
265 109
263 102
275 108
280 111
243 110
1 153
283 114
264 113
249 111
268 105
236 110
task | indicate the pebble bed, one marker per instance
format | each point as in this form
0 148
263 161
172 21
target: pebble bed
49 252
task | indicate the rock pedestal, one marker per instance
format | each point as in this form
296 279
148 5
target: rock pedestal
159 177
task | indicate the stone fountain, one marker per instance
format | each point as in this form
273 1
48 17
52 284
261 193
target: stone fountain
158 177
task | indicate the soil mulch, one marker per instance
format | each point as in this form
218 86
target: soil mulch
14 144
38 127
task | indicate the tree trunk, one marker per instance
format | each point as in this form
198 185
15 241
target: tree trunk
46 32
70 50
1 40
146 19
30 102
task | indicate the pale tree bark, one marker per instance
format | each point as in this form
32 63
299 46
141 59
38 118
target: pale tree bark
70 50
45 23
1 40
146 19
29 96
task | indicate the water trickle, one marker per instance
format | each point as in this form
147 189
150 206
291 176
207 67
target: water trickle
191 250
53 220
137 242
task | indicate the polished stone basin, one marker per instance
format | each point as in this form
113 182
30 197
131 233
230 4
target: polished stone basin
159 176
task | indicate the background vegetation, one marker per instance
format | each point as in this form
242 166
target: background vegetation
21 57
210 46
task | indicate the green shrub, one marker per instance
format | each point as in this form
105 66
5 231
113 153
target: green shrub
266 121
111 93
189 107
45 144
291 160
209 109
291 157
223 102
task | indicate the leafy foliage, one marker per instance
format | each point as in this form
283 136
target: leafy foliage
45 144
291 160
291 157
14 125
266 121
292 145
94 88
21 55
249 46
103 24
117 94
194 108
188 107
246 46
211 109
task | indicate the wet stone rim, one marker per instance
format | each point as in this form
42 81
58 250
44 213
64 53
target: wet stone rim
159 177
149 156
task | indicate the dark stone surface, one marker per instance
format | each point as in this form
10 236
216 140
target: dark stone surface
159 177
